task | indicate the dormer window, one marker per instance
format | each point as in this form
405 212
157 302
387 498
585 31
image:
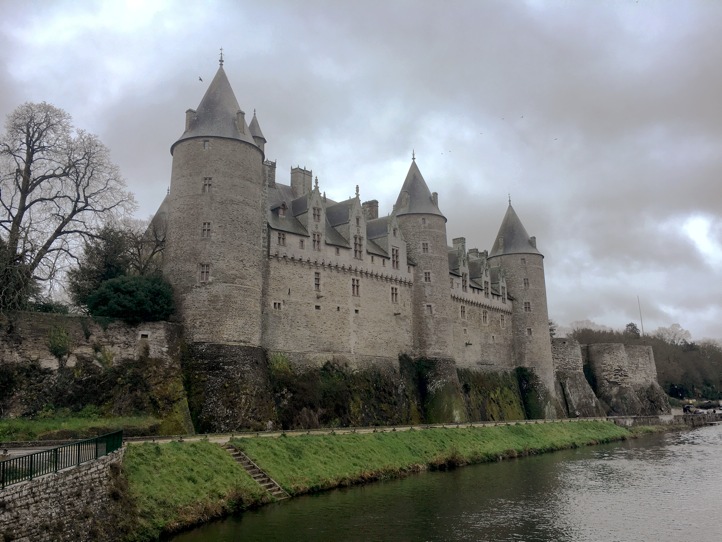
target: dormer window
396 231
282 210
317 214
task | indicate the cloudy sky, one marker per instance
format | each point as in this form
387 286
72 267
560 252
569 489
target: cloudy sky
602 119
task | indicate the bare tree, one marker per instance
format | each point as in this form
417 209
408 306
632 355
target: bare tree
57 185
146 241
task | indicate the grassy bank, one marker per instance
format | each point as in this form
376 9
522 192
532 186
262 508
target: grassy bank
175 485
311 463
73 427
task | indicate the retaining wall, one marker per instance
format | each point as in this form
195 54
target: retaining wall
78 504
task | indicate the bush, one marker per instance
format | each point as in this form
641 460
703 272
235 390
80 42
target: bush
132 299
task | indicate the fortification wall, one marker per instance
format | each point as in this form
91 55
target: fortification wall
574 391
78 504
482 341
567 355
312 323
627 386
27 338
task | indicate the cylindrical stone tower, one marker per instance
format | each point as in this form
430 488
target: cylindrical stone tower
214 256
523 266
424 229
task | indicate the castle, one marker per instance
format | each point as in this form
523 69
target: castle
280 267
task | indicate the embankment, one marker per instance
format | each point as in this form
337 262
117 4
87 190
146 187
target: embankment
178 485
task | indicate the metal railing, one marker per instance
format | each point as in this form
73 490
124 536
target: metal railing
27 467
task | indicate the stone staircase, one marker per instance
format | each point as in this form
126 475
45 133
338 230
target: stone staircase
265 481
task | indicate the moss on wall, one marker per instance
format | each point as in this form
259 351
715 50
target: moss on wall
491 396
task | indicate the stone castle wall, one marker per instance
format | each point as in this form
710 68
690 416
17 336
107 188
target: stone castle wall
567 355
27 338
78 504
482 343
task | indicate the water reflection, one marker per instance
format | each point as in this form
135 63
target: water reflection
660 488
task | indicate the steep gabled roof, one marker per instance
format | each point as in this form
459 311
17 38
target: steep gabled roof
415 197
255 128
512 237
216 115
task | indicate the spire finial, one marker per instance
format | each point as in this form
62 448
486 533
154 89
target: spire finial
509 194
220 62
413 155
316 182
357 192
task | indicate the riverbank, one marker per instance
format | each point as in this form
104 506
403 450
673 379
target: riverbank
178 485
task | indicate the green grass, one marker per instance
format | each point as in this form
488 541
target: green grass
316 462
176 485
72 427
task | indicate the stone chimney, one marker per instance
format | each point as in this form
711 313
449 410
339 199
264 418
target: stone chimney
190 115
435 198
371 209
532 240
269 167
301 181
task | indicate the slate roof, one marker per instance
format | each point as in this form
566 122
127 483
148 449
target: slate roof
338 213
255 128
216 115
515 238
415 197
377 227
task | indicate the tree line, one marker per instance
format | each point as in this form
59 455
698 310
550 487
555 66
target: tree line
65 224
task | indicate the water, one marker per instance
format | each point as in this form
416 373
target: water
661 488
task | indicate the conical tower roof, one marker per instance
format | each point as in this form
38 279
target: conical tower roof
255 128
512 237
217 114
415 197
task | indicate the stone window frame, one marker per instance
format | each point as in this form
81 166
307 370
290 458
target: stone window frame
317 281
282 210
281 239
429 309
486 289
464 282
527 306
204 272
462 312
358 247
316 214
485 317
502 321
301 244
206 144
206 230
356 287
394 294
503 294
427 276
207 186
277 305
316 241
424 247
529 332
395 257
526 283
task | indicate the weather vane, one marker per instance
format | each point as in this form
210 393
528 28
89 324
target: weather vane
221 60
413 155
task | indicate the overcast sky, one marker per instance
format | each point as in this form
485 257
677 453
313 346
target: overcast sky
603 120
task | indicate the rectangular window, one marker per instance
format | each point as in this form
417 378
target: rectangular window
529 332
503 294
523 261
204 272
429 309
301 244
427 276
206 230
357 247
206 144
358 221
502 321
383 263
277 305
207 184
317 214
394 294
317 281
526 284
282 211
485 317
424 247
464 282
463 312
527 306
356 287
394 257
316 241
338 251
281 239
486 288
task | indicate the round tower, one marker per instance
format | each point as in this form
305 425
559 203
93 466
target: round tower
214 242
423 226
523 267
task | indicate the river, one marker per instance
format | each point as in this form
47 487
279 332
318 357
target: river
660 488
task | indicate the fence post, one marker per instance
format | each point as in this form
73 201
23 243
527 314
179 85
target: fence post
55 458
31 466
78 447
96 448
2 475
